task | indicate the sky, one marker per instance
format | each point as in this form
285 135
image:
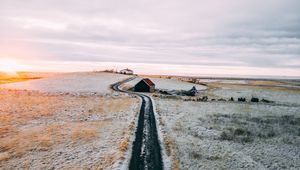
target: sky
183 37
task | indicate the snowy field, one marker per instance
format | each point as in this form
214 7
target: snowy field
223 81
49 130
76 83
167 84
278 96
223 135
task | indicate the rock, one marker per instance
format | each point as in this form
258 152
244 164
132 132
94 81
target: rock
241 99
267 101
191 92
254 99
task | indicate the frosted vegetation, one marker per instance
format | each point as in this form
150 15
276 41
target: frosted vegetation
233 135
72 122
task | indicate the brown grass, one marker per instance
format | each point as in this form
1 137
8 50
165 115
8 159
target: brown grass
260 87
6 117
4 156
109 106
44 141
84 133
123 146
5 130
18 108
108 161
44 138
259 83
32 139
171 152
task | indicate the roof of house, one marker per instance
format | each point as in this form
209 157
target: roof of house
126 70
149 82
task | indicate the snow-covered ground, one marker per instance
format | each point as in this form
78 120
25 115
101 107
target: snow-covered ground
279 96
168 84
223 81
88 82
45 129
224 135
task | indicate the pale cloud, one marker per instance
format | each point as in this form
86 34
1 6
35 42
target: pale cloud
206 33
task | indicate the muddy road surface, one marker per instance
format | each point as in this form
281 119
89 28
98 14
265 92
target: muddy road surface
146 151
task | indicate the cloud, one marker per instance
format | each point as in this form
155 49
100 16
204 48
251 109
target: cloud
241 33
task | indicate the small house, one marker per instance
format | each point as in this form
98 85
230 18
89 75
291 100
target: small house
126 71
145 85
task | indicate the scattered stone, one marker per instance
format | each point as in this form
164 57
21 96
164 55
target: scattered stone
204 98
267 101
254 99
242 99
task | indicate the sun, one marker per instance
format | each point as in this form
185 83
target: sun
9 66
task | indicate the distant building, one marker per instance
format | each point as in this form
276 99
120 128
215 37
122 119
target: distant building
145 85
126 71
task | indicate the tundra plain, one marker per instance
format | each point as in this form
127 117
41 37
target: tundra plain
218 133
75 121
42 127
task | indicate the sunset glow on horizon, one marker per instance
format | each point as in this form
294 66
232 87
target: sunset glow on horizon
9 66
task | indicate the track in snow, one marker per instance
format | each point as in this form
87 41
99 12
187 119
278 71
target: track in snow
146 150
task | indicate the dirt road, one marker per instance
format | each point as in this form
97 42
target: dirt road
146 151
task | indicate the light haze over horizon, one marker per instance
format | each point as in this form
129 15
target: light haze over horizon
191 37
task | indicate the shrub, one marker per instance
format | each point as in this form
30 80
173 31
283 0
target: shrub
226 136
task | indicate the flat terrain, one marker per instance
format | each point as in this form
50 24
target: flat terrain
230 134
23 76
88 129
76 121
75 83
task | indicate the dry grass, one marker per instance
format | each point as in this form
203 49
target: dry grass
259 86
5 130
23 106
109 106
44 141
123 146
4 156
20 107
107 161
259 83
43 138
29 123
39 138
84 133
171 152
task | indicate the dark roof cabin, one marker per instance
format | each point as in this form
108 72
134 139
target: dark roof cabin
126 71
145 85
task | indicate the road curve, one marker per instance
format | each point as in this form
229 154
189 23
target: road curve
146 150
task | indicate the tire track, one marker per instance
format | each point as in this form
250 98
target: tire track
146 150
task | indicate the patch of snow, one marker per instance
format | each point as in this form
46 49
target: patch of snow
285 97
223 81
85 82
